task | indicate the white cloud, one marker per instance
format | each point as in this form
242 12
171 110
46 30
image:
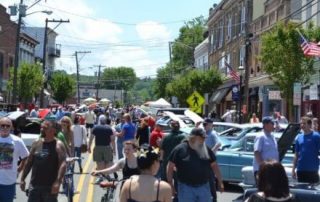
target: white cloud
150 30
100 36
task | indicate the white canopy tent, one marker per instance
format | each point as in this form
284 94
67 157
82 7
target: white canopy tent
161 103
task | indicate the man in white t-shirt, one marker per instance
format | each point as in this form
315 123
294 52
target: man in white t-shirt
90 118
11 149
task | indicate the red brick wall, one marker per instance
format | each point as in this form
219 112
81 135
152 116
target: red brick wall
7 41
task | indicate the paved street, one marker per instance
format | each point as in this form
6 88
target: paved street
87 191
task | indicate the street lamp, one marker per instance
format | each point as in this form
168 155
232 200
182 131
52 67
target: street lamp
22 13
241 69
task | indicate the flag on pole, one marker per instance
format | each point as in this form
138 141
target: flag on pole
309 48
234 75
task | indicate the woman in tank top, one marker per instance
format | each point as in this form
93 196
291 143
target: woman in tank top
66 124
128 164
145 187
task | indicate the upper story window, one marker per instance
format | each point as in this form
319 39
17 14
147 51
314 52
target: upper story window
242 55
243 17
229 30
295 6
221 33
309 9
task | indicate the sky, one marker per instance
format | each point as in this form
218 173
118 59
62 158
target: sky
132 33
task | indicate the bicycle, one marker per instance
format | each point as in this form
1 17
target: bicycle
110 186
67 184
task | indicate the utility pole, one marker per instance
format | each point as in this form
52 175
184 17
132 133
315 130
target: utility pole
16 58
78 75
98 81
44 56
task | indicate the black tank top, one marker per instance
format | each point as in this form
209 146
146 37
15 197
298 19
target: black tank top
132 200
45 165
128 172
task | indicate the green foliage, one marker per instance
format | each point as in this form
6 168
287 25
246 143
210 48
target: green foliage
29 81
119 78
143 89
164 76
62 85
191 34
202 81
283 59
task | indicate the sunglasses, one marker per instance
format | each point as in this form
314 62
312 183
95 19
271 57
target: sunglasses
5 126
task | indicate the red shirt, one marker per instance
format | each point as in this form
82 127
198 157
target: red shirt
155 135
151 122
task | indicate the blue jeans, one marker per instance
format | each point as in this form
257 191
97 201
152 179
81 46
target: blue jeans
7 192
187 193
77 153
41 194
120 149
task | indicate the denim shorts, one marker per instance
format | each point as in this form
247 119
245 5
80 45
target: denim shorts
7 192
187 193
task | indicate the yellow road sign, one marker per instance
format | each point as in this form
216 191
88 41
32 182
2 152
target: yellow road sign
196 109
195 101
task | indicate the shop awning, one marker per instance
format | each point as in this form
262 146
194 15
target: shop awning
219 95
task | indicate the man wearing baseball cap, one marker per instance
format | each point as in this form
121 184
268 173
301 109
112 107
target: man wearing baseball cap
265 145
194 162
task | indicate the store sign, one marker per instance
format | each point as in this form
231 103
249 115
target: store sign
274 95
235 93
297 94
313 92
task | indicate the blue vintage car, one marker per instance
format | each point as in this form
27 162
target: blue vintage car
240 154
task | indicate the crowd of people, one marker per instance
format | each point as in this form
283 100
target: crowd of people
157 167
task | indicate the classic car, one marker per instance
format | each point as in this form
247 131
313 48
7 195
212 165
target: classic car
240 154
29 127
285 147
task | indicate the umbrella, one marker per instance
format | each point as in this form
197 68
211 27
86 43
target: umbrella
89 101
104 102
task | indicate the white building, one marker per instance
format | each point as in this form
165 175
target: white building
201 55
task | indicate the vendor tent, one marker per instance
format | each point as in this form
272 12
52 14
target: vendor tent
161 103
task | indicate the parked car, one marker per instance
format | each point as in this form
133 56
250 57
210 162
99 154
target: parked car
240 154
236 133
301 192
29 127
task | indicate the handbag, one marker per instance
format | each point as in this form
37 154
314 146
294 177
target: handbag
83 147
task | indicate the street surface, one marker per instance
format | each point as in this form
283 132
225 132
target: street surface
87 191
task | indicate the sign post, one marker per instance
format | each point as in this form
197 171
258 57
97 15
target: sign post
195 101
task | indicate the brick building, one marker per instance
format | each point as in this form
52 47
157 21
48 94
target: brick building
8 30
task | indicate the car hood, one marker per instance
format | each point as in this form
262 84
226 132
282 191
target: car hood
287 138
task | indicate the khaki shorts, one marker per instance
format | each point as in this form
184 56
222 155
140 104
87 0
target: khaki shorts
102 154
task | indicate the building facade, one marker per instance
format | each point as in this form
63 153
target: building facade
53 50
27 49
227 25
201 55
8 32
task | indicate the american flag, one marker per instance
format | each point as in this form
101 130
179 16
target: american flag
234 75
309 48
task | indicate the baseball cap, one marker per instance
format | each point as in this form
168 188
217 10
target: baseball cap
198 132
267 120
208 120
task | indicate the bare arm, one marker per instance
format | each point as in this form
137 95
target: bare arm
294 165
28 164
22 164
216 147
170 168
124 192
166 191
107 171
90 142
61 151
216 170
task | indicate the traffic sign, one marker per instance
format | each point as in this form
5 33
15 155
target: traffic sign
195 101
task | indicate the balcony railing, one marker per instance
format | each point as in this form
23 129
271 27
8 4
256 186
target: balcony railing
54 51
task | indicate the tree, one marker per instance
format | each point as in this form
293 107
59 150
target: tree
191 34
121 78
283 59
29 81
62 86
202 81
164 76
